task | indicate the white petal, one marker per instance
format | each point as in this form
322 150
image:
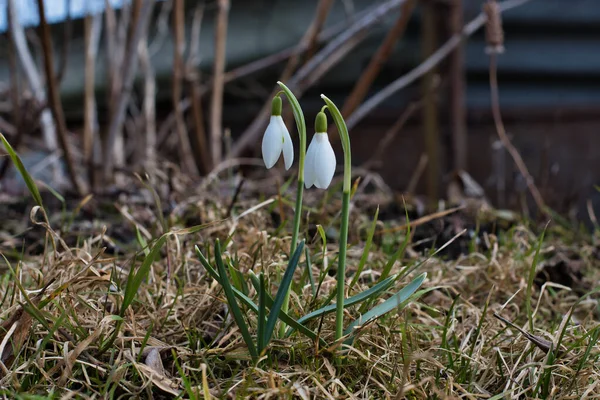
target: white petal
309 161
324 162
272 143
288 145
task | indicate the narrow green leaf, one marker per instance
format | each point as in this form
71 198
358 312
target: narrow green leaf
142 241
532 272
365 254
311 278
371 293
33 189
262 310
135 279
292 323
233 305
286 281
396 301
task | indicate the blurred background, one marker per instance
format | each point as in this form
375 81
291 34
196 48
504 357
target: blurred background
94 89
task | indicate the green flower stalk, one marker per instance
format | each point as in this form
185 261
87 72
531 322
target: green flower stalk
301 126
341 271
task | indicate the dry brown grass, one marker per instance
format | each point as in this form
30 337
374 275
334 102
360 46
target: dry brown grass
178 339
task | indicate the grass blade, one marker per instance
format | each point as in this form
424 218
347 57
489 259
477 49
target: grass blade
233 305
135 279
366 251
262 311
397 300
286 281
33 189
350 301
530 279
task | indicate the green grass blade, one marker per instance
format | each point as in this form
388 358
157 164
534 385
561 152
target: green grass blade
390 304
532 271
311 278
262 311
291 322
286 281
366 251
135 279
233 305
33 189
373 292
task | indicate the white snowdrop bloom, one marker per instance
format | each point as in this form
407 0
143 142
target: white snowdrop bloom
319 165
277 139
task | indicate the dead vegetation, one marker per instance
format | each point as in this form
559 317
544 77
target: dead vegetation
177 337
102 295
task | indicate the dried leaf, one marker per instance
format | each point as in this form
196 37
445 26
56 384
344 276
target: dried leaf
541 343
154 361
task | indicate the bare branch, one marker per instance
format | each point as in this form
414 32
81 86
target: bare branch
129 70
426 65
31 73
54 97
185 148
318 65
216 104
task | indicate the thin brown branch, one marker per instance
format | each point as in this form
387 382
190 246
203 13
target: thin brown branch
216 104
31 73
391 134
54 97
430 112
417 173
64 49
378 60
185 147
309 41
258 65
357 30
514 153
426 66
193 78
458 113
93 25
149 103
128 72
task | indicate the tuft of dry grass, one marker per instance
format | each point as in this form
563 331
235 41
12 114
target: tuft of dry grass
178 339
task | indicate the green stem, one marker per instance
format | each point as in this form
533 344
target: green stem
297 215
301 126
341 272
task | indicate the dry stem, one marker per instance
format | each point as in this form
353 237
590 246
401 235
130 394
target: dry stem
378 60
514 153
318 65
216 105
185 148
426 66
54 97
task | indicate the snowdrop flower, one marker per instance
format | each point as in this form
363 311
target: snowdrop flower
277 138
319 165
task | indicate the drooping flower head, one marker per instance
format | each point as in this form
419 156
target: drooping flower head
277 138
319 166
